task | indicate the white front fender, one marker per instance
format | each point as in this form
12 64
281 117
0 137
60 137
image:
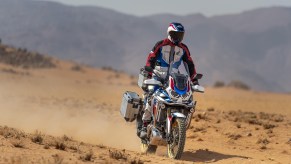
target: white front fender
179 115
169 120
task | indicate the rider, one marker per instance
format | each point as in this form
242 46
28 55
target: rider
159 59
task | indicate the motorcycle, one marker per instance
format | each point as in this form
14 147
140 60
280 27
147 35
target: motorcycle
169 95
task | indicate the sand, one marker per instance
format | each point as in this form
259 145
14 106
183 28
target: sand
229 126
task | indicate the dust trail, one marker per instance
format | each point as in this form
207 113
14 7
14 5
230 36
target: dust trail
88 125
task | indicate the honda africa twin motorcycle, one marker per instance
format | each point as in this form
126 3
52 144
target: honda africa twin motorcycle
172 107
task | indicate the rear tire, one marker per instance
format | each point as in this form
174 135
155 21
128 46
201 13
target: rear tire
176 148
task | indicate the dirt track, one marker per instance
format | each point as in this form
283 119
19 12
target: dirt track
84 104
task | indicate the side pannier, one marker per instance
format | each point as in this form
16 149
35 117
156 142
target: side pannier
130 106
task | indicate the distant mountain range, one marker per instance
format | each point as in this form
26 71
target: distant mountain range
253 46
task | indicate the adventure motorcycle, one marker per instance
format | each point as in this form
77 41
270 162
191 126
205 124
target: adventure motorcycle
169 94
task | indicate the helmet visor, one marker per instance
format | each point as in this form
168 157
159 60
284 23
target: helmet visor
176 36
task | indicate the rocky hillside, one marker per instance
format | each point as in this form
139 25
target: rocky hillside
253 46
23 58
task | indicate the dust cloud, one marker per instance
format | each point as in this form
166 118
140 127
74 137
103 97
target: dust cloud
96 126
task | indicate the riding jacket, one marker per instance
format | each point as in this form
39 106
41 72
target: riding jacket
160 56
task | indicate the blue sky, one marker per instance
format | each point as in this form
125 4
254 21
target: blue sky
182 7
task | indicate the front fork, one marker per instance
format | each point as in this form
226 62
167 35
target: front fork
172 116
190 114
170 119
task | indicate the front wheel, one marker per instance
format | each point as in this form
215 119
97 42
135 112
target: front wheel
178 138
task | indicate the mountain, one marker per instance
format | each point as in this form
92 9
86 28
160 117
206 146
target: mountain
253 46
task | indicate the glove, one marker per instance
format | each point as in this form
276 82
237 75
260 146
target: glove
150 74
146 73
195 82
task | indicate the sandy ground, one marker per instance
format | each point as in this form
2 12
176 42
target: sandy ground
80 109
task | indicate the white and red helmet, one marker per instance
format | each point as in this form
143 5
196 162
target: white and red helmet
176 32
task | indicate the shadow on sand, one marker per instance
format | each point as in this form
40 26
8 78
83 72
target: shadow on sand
207 156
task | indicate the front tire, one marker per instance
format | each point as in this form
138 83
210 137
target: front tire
178 133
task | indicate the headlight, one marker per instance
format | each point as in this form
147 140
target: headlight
174 94
185 95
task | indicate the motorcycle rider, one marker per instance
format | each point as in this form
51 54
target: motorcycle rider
170 49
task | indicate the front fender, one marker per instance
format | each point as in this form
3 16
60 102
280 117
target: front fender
172 117
178 115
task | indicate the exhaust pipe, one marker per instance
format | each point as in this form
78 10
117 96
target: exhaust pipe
156 137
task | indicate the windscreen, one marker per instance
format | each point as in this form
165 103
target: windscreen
180 80
181 68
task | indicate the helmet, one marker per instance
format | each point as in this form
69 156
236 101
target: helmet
175 32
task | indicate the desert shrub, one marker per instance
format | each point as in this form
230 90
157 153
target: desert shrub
201 116
88 156
17 143
263 147
60 145
77 68
136 161
11 71
218 84
107 68
24 59
46 146
268 126
193 136
199 129
239 85
37 137
117 155
101 146
272 117
238 125
264 141
66 138
73 147
7 132
278 118
234 136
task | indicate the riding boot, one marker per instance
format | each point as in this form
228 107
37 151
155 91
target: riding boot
143 132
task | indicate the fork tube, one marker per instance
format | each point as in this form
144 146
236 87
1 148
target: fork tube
169 120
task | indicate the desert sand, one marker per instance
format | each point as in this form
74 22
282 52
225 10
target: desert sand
70 114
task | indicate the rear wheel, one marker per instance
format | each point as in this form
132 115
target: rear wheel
178 133
151 149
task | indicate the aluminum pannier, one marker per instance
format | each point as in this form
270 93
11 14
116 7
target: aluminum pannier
130 106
